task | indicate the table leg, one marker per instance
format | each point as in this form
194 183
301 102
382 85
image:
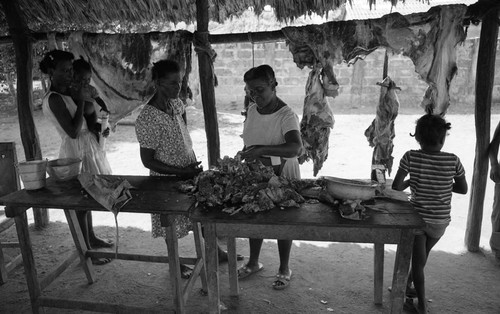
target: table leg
378 272
28 261
401 268
174 266
212 262
80 244
232 264
3 269
200 254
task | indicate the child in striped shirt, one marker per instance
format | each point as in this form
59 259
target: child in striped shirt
433 176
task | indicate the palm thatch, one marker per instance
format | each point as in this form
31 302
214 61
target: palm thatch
155 15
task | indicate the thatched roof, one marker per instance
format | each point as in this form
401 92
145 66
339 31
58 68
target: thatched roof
158 15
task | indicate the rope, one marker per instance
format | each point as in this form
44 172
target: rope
202 45
253 52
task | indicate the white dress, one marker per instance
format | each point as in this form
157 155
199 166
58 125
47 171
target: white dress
270 129
84 146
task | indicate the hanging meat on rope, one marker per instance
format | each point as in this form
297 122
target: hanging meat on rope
317 120
121 65
380 133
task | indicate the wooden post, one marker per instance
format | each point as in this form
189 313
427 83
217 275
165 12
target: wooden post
484 86
24 63
207 81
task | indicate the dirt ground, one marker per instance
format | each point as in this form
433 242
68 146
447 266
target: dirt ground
327 277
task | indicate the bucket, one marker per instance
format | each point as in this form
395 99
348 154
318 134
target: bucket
32 173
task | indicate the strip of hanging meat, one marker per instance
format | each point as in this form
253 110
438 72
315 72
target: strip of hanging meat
317 120
380 133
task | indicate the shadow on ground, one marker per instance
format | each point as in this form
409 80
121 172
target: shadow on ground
336 278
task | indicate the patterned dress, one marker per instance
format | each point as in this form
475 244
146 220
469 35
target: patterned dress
168 136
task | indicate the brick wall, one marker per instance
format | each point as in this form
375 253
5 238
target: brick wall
358 87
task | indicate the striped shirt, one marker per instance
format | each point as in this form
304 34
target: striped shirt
431 182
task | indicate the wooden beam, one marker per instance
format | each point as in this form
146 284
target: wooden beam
257 37
484 87
250 37
23 46
207 81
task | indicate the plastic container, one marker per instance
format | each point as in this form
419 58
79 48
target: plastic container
346 189
64 169
33 173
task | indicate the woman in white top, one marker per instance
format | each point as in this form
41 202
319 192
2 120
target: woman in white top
66 109
271 134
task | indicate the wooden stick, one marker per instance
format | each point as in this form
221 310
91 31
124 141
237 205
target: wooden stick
207 82
45 282
94 306
485 75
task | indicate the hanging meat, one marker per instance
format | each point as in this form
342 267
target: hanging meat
380 133
429 39
440 66
317 120
121 65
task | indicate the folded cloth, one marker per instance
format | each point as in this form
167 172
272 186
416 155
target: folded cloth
111 192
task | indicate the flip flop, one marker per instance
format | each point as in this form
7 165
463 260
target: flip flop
245 271
410 292
224 259
100 261
186 271
282 281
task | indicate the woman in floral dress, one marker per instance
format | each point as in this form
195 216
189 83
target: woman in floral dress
166 147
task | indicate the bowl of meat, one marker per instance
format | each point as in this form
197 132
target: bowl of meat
64 169
348 189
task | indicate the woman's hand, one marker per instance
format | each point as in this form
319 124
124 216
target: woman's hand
78 94
495 173
191 170
251 153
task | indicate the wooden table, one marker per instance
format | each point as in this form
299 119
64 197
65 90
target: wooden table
152 195
394 222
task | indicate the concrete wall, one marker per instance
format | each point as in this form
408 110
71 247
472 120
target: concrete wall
358 89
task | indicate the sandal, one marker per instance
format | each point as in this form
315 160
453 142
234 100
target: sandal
186 271
245 271
223 257
100 261
282 281
410 292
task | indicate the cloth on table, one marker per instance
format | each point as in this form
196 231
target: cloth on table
111 192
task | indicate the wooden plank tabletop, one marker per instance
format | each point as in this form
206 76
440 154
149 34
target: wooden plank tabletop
150 195
384 213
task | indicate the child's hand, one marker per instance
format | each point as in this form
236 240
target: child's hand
106 132
495 174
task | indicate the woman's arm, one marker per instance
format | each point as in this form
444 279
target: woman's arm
70 125
399 183
148 160
291 148
493 155
101 104
91 118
